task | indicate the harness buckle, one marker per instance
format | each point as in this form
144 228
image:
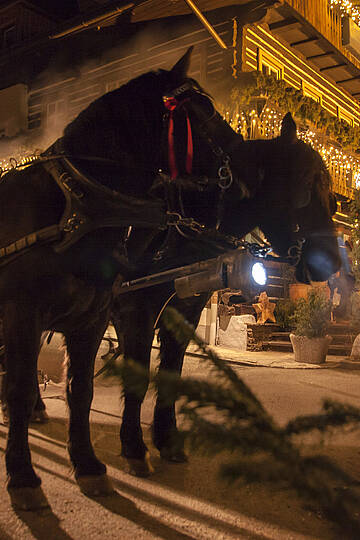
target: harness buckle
294 252
71 185
173 218
225 174
73 223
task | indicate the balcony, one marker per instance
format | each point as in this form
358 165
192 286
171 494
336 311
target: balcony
311 28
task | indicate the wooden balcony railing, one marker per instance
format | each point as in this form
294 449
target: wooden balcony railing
325 20
339 177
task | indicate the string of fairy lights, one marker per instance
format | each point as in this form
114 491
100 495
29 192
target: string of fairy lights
21 160
343 166
346 8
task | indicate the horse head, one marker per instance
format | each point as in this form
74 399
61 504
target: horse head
281 185
291 202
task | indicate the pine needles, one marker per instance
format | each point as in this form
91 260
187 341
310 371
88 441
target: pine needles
223 415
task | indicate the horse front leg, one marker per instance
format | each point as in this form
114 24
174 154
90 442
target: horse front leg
166 436
20 391
39 414
138 337
82 347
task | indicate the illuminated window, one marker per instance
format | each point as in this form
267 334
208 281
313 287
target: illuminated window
55 110
268 65
311 92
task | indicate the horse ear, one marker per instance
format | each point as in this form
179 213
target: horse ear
181 67
288 129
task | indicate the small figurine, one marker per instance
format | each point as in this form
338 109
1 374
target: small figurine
264 309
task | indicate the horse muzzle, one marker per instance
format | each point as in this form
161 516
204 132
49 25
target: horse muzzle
318 262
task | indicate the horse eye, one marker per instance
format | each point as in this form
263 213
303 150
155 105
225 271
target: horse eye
202 105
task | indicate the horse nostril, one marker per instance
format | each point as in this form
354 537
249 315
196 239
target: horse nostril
321 264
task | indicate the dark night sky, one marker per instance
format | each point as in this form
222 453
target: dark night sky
62 9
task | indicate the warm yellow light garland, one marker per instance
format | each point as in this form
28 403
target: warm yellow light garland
8 164
346 8
341 164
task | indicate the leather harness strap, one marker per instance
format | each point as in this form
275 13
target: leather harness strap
89 206
84 214
19 247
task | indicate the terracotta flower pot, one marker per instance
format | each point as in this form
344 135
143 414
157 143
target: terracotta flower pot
310 350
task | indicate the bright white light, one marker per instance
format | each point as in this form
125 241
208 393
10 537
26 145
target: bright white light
258 273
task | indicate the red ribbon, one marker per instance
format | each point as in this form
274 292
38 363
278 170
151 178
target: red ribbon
172 104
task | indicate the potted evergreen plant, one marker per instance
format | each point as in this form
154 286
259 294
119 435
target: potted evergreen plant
310 340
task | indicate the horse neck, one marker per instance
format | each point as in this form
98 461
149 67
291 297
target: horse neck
108 132
241 214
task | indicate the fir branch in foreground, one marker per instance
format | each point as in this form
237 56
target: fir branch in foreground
312 477
223 415
184 332
335 415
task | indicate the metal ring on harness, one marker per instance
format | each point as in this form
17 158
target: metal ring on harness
294 252
225 175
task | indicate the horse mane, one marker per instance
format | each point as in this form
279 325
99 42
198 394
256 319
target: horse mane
111 122
125 105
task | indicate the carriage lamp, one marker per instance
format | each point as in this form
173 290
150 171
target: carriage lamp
241 271
258 273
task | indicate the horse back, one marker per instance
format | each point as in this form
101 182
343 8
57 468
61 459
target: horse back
29 200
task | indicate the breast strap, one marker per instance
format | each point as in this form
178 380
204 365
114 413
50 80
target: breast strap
90 206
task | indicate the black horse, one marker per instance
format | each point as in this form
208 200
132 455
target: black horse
65 237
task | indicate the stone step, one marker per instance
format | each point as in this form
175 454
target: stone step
340 328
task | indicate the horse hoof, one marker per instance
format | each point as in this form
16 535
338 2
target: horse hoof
28 498
39 417
95 485
140 467
173 456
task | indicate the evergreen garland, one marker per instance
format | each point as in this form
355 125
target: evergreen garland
261 450
254 83
355 234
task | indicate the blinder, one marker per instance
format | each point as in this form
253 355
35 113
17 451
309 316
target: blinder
189 92
303 198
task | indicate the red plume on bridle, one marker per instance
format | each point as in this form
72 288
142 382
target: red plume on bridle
172 104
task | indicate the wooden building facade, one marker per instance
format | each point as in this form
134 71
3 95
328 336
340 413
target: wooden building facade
298 42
